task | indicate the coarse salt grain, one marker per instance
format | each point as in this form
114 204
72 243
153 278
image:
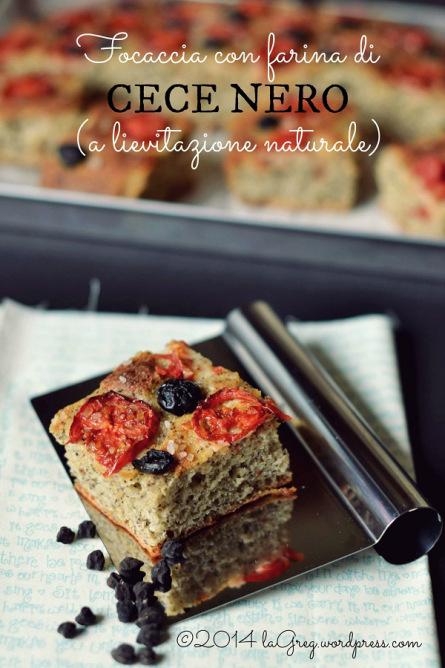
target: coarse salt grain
171 448
122 379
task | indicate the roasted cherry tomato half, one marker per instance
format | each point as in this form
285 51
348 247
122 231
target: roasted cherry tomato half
168 366
114 429
181 349
231 414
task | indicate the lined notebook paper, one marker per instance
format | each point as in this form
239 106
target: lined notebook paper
43 583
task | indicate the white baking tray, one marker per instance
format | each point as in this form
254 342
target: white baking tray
211 198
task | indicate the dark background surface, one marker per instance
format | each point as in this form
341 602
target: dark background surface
50 252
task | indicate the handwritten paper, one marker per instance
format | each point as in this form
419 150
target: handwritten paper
43 583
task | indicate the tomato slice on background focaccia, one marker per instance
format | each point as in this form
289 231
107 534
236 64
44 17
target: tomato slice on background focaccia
18 39
124 21
73 19
114 429
431 168
142 127
28 87
232 413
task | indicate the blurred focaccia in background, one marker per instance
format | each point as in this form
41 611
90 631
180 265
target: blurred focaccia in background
160 175
36 111
302 179
412 186
404 91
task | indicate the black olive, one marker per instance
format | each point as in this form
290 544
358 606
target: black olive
154 461
71 49
434 50
215 42
237 16
299 35
175 24
71 155
128 5
179 396
268 122
350 22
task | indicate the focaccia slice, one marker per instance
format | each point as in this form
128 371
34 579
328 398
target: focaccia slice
159 474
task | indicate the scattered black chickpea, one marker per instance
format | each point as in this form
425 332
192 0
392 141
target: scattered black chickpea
124 654
149 635
130 564
113 580
172 551
130 570
143 591
86 617
67 629
126 612
161 576
86 529
215 42
151 614
147 656
124 592
96 560
136 599
65 535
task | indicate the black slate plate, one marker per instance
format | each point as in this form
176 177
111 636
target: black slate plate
321 529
